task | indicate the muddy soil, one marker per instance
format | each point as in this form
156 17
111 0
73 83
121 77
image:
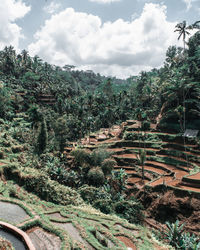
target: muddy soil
127 242
168 205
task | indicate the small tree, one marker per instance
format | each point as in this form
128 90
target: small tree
107 166
96 176
42 137
118 181
61 131
141 159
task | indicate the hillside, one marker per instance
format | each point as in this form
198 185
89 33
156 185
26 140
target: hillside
91 162
56 217
170 167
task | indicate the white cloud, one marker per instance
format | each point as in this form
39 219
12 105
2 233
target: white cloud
105 1
10 32
134 16
189 3
52 7
119 48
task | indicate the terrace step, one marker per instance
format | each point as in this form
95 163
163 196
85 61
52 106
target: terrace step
190 184
191 180
44 240
125 159
164 167
189 188
136 181
158 171
68 149
181 159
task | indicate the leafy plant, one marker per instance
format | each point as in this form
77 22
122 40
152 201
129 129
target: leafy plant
174 232
130 210
96 176
179 239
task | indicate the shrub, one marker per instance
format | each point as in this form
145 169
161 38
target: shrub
17 149
1 121
118 181
180 240
90 194
174 232
96 176
130 136
145 125
40 184
189 241
104 205
98 156
129 210
81 156
107 166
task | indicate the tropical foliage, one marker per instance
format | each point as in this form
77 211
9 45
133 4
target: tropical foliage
45 108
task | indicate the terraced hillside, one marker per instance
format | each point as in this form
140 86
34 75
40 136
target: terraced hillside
168 161
58 218
51 226
171 185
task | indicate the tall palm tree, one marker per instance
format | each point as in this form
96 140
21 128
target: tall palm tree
196 25
141 160
182 28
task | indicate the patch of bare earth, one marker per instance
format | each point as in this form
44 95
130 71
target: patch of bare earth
130 245
170 205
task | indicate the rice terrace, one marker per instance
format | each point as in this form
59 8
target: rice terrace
99 125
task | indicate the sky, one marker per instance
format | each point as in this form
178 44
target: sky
111 37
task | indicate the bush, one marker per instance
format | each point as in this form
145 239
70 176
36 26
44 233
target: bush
180 240
130 136
81 156
104 205
17 149
40 184
129 210
88 193
189 241
145 125
96 177
107 166
98 156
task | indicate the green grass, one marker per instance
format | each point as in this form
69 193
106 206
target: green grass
81 217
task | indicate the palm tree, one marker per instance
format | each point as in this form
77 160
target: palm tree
196 25
141 160
182 28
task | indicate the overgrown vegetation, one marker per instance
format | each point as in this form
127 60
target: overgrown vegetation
44 109
179 239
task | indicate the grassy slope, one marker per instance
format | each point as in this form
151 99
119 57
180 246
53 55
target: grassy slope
97 229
